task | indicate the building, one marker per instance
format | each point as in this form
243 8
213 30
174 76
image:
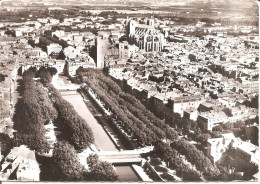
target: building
125 51
230 151
101 49
145 36
240 113
58 64
179 38
217 146
191 113
246 154
54 48
37 53
21 165
180 104
208 105
105 50
71 67
212 118
18 33
8 75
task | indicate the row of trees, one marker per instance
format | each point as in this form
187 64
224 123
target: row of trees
6 144
133 116
174 161
73 127
67 164
197 158
77 135
33 110
99 170
46 74
68 167
146 127
237 128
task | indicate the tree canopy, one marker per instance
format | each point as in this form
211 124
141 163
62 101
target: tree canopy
99 170
68 165
74 128
33 111
143 126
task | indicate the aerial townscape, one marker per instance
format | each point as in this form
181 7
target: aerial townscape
129 90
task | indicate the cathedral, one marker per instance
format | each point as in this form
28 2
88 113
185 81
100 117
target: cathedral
145 36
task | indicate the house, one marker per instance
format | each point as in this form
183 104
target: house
72 66
58 64
240 113
212 118
21 165
191 113
184 102
232 152
54 48
217 146
125 51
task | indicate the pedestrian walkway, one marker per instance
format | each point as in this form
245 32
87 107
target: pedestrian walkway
140 172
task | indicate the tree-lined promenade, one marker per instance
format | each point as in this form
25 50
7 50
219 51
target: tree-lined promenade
42 103
33 111
136 120
36 109
145 127
73 127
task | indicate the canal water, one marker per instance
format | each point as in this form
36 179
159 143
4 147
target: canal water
126 174
102 140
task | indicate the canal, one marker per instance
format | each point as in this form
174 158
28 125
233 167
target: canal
102 140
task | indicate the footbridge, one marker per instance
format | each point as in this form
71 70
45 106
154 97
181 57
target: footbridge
68 92
70 87
121 156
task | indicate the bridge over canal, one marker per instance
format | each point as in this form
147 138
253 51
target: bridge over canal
121 156
124 161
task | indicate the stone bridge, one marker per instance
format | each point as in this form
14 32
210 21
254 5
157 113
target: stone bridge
71 87
121 156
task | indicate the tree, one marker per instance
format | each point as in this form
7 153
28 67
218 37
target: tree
67 162
6 144
190 175
173 160
44 74
218 128
192 57
34 140
52 70
2 77
92 160
170 133
203 138
33 110
196 157
99 170
74 128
